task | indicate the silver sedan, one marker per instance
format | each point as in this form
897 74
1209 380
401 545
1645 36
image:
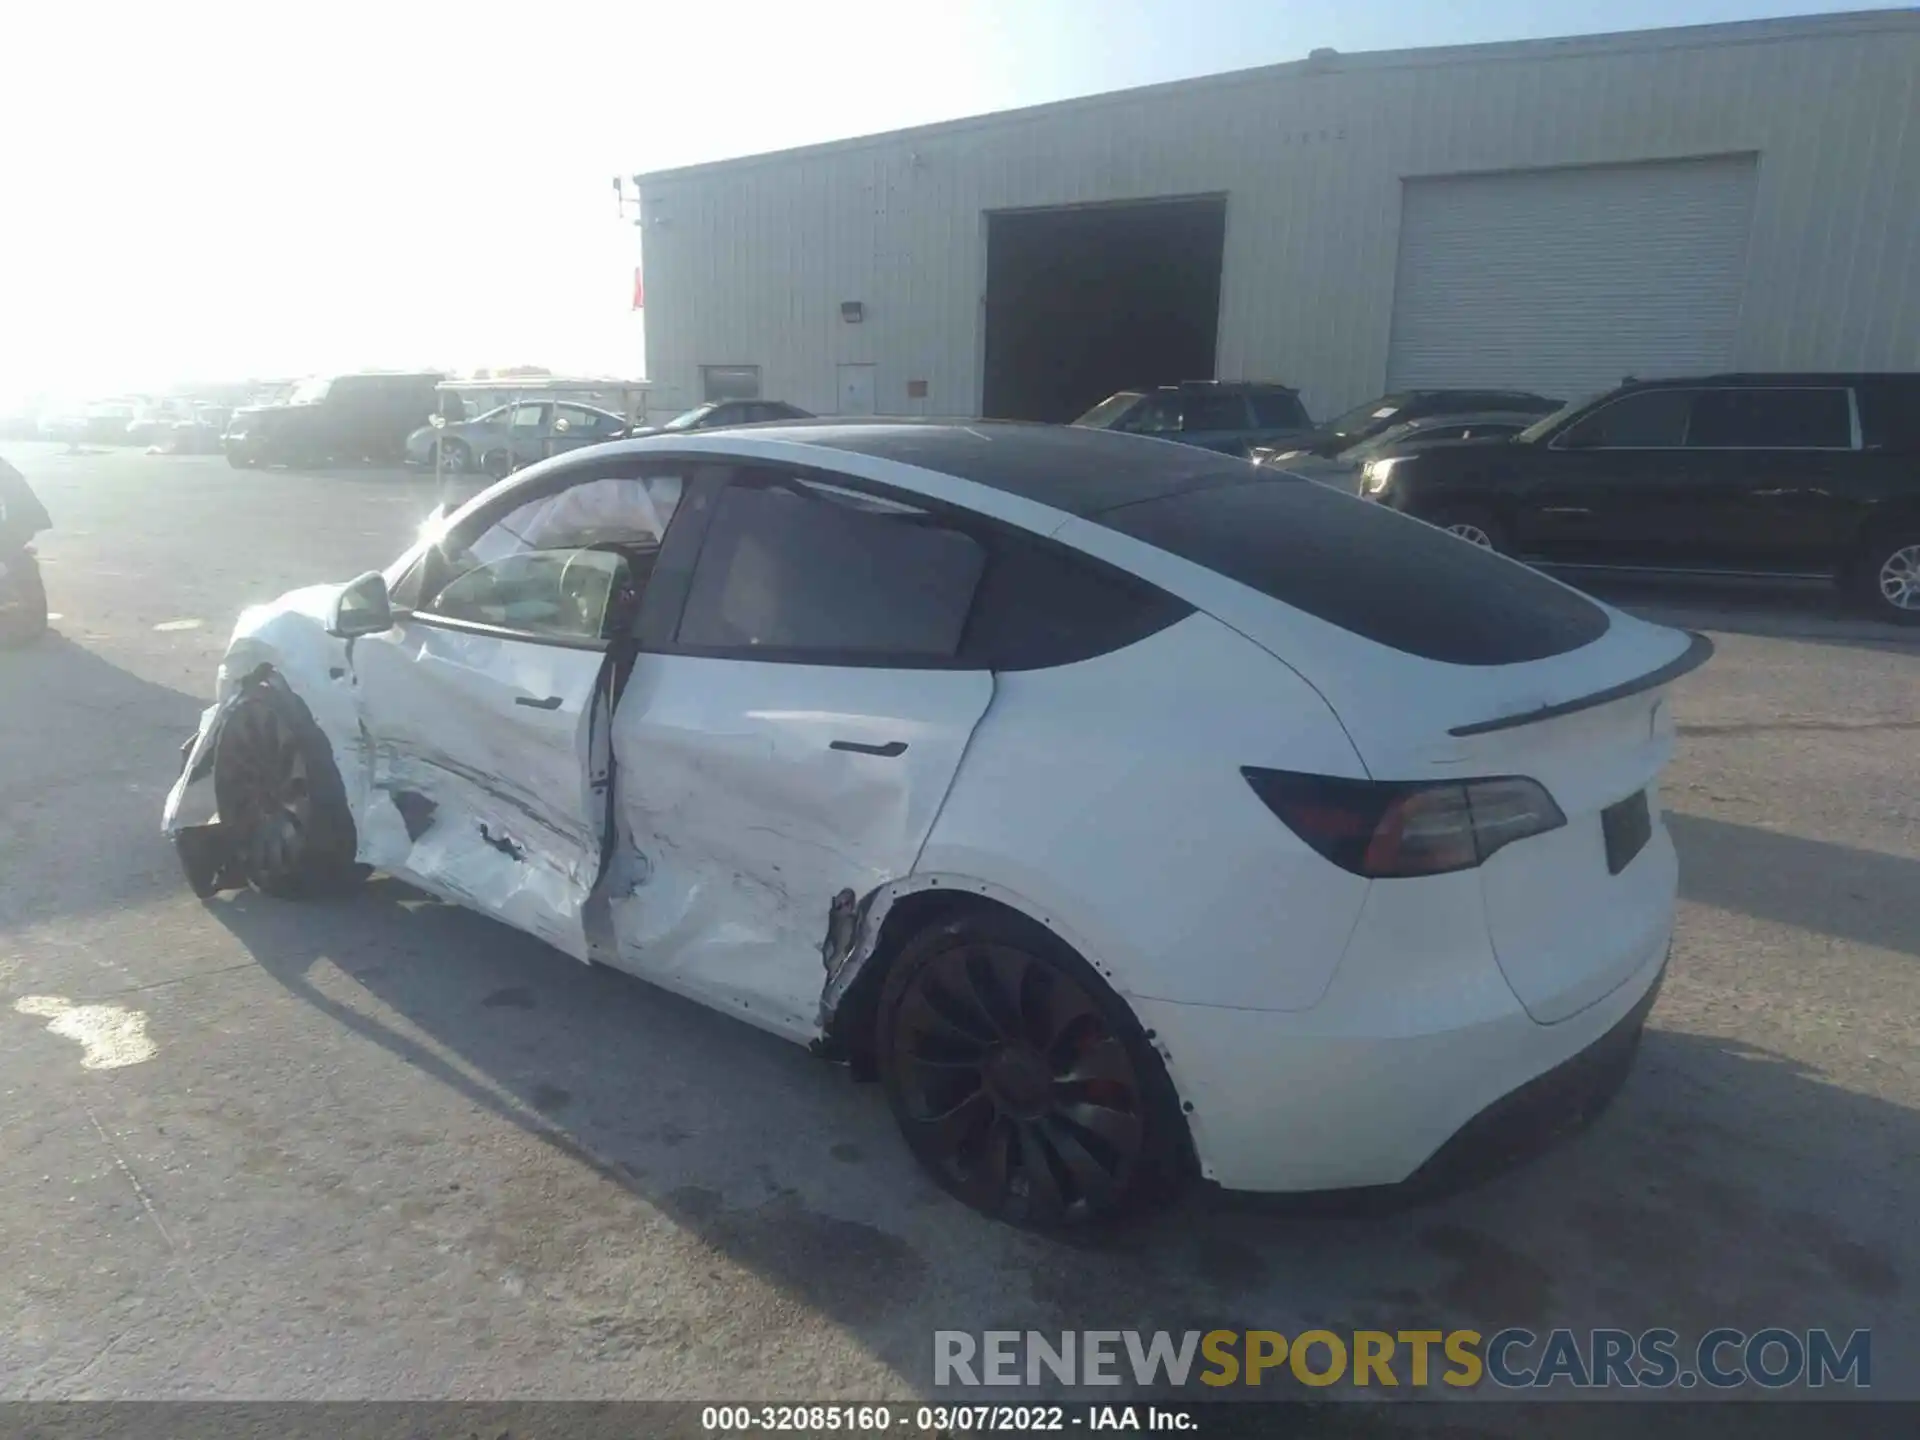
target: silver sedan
510 436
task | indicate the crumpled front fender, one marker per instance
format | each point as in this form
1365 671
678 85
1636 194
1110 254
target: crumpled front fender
191 818
286 643
191 801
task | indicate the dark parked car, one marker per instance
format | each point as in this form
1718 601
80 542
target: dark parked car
1343 470
1364 422
510 436
1233 417
334 420
23 596
719 414
1769 475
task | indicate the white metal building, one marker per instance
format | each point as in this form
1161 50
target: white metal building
1550 215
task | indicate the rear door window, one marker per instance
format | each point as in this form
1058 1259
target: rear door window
1771 419
792 569
1391 579
1645 420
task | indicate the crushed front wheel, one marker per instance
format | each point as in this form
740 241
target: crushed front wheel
289 830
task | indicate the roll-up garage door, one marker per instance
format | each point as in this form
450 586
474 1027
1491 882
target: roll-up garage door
1564 281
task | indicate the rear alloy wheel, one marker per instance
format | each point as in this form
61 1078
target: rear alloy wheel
1889 578
280 799
1023 1087
1476 527
497 463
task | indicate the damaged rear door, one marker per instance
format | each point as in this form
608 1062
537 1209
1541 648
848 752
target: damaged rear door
785 744
487 707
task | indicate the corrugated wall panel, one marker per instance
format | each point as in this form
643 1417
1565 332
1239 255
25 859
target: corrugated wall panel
1567 280
748 262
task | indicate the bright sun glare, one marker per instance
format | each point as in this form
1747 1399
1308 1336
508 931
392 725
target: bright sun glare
423 188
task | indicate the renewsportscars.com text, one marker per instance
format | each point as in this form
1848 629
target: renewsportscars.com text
1512 1358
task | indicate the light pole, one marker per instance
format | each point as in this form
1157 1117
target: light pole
627 192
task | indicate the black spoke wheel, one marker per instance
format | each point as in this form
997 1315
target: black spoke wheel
23 600
282 807
1020 1082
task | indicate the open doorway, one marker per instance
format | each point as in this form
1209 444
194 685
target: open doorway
1091 299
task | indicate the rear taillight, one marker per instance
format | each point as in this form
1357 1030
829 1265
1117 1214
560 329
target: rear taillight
1389 829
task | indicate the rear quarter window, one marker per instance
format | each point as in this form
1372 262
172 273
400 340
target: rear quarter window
1383 576
1040 605
1890 415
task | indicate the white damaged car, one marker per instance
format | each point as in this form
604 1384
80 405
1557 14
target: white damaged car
1124 809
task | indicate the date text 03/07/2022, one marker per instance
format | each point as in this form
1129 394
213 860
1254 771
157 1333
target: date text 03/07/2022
912 1419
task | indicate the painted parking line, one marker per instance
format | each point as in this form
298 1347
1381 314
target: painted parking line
179 625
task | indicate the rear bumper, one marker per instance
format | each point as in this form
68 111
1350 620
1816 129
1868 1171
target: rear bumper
1560 1101
1286 1101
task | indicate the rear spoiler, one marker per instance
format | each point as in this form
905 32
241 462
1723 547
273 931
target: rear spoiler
1699 650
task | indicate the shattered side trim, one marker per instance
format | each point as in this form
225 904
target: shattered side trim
190 802
189 818
870 920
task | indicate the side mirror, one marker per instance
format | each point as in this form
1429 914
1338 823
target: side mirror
362 608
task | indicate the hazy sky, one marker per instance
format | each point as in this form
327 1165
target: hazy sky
206 189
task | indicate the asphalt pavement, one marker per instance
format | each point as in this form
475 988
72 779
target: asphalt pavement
379 1148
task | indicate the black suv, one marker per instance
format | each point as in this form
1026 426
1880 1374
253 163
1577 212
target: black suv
1231 416
1767 475
1363 422
334 419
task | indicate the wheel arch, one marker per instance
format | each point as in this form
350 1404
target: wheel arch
1902 511
1472 490
1896 519
889 917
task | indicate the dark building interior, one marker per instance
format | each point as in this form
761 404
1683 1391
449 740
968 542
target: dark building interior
1085 301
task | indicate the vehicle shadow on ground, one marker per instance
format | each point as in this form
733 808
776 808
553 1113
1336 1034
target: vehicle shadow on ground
81 737
1705 1196
1837 890
1816 614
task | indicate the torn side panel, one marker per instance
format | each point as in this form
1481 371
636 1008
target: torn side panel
854 931
483 782
191 818
191 801
751 795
